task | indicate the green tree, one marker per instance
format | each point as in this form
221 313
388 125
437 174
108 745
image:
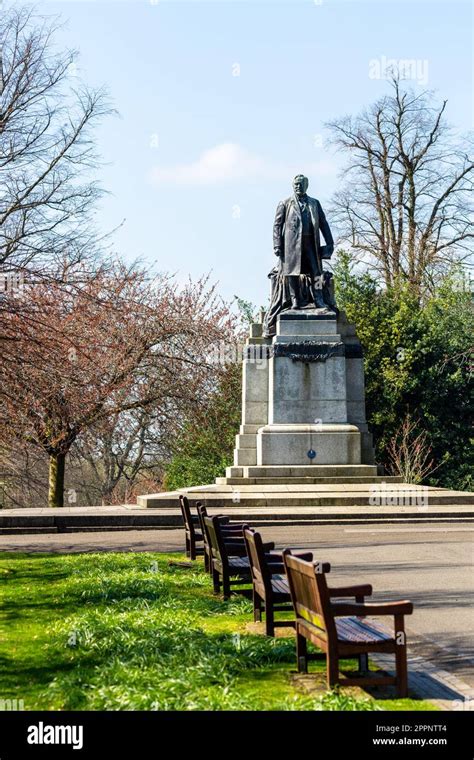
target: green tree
204 448
417 364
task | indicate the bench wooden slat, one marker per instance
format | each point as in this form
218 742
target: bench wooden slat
239 563
280 585
359 631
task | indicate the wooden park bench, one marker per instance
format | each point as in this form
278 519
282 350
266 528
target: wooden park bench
229 562
341 629
195 535
270 587
230 531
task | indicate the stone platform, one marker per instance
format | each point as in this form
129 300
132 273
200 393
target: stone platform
376 496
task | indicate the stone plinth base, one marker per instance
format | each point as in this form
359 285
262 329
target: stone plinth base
305 444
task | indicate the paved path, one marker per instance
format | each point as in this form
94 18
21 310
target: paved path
430 564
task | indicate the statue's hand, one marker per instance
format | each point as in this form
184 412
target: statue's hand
278 252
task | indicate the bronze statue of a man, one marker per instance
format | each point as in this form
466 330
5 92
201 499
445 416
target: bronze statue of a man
299 281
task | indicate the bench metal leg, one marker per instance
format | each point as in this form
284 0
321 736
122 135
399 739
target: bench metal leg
226 587
257 608
215 581
332 669
301 652
401 656
269 620
363 664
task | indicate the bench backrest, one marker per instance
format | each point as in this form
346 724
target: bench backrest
186 512
202 513
309 593
214 536
261 575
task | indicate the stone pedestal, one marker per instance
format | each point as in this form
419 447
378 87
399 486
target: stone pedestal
326 444
303 395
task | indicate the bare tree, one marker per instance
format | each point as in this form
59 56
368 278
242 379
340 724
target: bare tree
74 358
109 461
406 206
409 452
23 476
47 156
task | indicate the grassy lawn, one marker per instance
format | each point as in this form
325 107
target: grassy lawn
129 632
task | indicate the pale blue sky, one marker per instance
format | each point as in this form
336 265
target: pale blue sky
200 157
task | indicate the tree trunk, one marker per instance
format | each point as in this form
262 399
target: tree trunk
56 480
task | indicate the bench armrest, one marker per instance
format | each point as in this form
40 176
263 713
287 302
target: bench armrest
362 590
232 530
276 568
225 524
343 609
235 549
307 556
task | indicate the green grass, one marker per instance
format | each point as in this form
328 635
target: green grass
129 632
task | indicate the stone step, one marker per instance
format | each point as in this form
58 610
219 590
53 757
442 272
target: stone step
318 489
25 529
238 512
99 519
290 487
301 471
307 499
70 527
389 518
105 526
309 481
67 522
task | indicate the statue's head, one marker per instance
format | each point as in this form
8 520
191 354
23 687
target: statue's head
300 184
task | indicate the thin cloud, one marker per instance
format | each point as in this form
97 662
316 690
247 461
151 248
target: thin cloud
230 162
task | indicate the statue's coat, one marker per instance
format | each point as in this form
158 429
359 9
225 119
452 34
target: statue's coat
287 236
